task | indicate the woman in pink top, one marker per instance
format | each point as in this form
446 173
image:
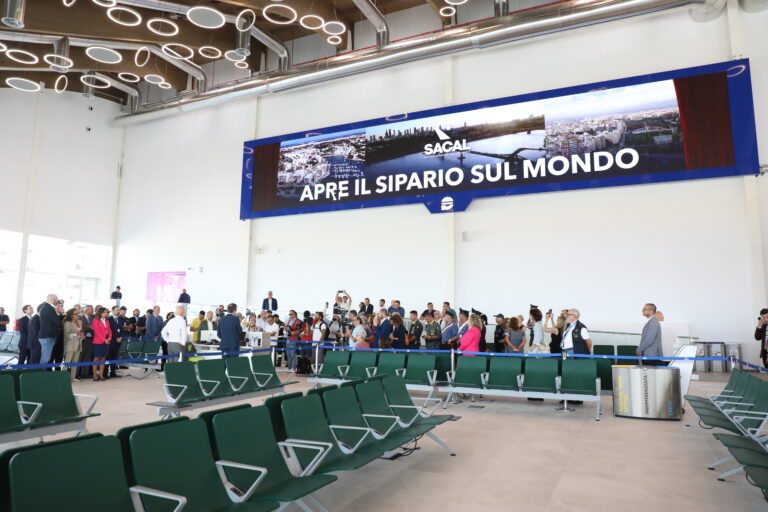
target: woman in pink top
470 342
102 335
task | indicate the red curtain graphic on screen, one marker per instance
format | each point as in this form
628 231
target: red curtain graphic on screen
705 120
266 160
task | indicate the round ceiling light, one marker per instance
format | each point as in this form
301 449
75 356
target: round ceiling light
282 15
22 56
128 77
334 28
3 47
116 14
68 3
163 27
61 84
142 57
209 52
334 40
22 84
234 56
103 3
95 81
206 17
164 85
178 51
447 11
154 79
455 2
241 64
103 54
312 22
58 61
245 20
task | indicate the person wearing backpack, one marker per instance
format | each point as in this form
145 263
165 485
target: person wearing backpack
319 333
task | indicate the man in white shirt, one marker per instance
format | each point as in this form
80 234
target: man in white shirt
175 334
272 328
261 322
576 338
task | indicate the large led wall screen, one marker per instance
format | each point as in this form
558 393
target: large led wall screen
685 124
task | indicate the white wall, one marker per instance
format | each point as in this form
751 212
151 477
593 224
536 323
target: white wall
695 248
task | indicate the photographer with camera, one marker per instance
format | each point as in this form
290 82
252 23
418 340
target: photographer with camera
761 335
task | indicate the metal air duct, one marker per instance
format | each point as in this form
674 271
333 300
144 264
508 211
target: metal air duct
61 49
13 14
372 14
500 8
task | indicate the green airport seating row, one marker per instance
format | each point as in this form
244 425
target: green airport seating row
215 463
38 403
141 349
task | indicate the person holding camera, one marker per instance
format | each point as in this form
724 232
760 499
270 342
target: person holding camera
761 335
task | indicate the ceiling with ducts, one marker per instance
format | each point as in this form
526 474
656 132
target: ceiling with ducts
118 48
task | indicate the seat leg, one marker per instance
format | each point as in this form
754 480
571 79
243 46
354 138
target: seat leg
565 407
447 399
316 502
441 443
719 462
303 506
725 475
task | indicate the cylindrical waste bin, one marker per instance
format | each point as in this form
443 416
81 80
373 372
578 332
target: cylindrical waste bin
646 392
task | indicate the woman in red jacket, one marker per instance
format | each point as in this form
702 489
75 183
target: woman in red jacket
470 342
102 335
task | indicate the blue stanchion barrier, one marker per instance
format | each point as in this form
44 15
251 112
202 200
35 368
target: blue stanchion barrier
753 366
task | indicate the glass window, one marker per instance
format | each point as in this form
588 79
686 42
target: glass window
10 254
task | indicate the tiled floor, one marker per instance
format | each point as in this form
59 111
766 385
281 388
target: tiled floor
513 455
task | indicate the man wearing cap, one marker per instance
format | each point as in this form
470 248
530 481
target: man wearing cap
498 334
432 334
414 332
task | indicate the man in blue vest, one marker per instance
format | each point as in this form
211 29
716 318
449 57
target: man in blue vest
229 331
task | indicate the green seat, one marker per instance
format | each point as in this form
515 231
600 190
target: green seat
578 377
381 417
350 428
208 416
321 390
503 372
362 365
746 400
10 419
540 375
737 441
54 391
177 458
389 363
333 360
604 366
264 373
443 366
758 476
733 389
134 349
420 369
16 375
403 403
122 352
213 376
7 455
627 350
124 435
181 384
229 432
469 371
273 404
305 420
66 491
151 348
351 383
241 375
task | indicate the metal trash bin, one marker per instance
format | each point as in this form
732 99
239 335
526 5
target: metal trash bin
651 392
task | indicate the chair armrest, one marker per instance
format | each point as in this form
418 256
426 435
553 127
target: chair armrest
235 494
484 378
450 375
237 388
215 387
400 372
720 402
558 381
431 377
151 354
343 369
90 407
437 401
344 447
170 396
133 355
370 373
262 384
23 415
138 490
520 380
400 420
376 433
288 449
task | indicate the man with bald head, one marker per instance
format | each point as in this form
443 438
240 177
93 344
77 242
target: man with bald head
175 334
50 325
576 339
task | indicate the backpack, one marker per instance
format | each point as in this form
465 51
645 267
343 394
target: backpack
303 366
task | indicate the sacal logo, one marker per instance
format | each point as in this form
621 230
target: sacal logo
446 204
446 145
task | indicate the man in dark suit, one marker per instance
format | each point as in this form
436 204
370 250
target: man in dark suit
116 325
184 297
229 332
368 309
269 304
24 334
761 335
86 354
50 325
33 341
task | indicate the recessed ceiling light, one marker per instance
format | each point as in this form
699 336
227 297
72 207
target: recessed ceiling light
142 57
133 18
164 85
312 22
105 3
245 20
209 52
154 79
95 81
334 40
234 56
22 56
206 17
58 61
103 54
447 11
68 3
455 2
61 84
334 28
178 51
22 84
287 14
163 27
128 77
241 64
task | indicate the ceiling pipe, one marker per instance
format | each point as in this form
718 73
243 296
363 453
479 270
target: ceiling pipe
754 5
372 14
546 20
283 55
88 90
132 98
188 67
243 44
707 10
61 49
13 13
500 8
